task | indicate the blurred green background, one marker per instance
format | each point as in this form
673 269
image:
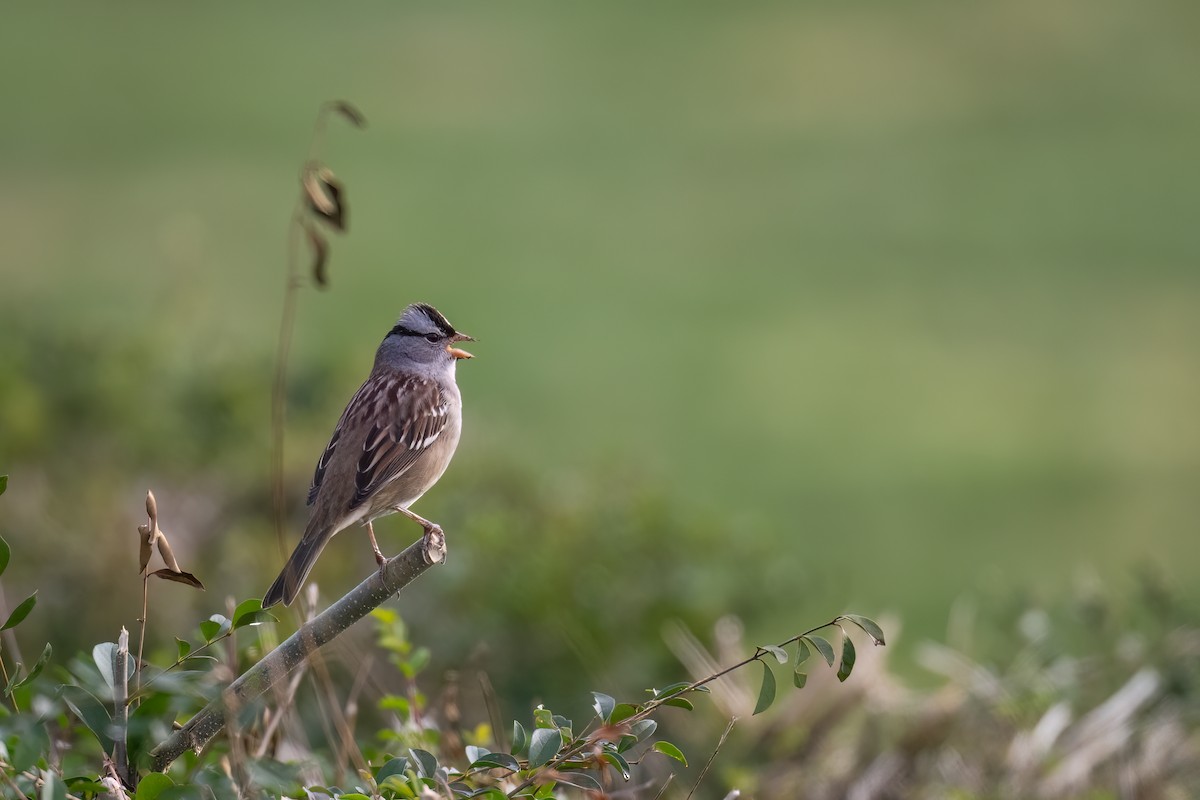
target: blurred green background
784 309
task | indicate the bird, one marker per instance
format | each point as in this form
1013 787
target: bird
393 442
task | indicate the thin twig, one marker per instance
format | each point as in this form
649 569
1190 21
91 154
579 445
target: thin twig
711 758
349 747
287 321
279 385
4 672
137 666
277 717
493 708
397 573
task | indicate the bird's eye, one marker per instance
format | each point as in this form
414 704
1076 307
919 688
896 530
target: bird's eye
432 338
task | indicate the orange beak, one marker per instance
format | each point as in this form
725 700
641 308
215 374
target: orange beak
454 351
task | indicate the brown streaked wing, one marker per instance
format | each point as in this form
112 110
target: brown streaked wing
365 396
412 415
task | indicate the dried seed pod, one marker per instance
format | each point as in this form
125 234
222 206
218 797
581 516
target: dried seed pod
164 550
314 189
145 546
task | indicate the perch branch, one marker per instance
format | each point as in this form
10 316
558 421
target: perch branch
397 573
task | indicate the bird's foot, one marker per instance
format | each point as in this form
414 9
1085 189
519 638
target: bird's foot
433 544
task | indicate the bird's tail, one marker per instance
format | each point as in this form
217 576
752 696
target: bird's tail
287 585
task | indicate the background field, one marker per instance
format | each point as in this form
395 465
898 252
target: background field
784 309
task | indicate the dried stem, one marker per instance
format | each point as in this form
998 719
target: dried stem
137 665
292 284
398 572
4 672
713 757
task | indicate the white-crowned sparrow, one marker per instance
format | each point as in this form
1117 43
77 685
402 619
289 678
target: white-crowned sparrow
392 443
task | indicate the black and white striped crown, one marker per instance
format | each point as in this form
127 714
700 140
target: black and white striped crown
421 319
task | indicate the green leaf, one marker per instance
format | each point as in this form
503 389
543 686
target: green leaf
416 662
622 712
496 760
91 712
520 739
580 780
353 796
544 745
847 658
102 654
823 647
766 693
183 647
394 702
671 751
643 728
152 785
869 627
802 652
245 607
604 705
543 718
3 483
679 702
780 654
675 687
799 678
38 667
20 612
214 626
395 766
617 761
252 618
250 612
427 763
5 553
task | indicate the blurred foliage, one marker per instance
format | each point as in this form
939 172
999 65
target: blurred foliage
1094 695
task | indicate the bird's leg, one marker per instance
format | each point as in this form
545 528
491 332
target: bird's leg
380 559
430 527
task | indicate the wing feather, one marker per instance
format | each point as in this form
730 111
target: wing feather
413 415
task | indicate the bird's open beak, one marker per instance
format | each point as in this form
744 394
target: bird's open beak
456 352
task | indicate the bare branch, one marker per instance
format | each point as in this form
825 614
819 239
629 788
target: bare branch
397 573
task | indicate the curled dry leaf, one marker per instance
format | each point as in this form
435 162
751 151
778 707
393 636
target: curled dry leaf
164 550
179 577
318 200
145 546
351 113
151 508
320 251
334 190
